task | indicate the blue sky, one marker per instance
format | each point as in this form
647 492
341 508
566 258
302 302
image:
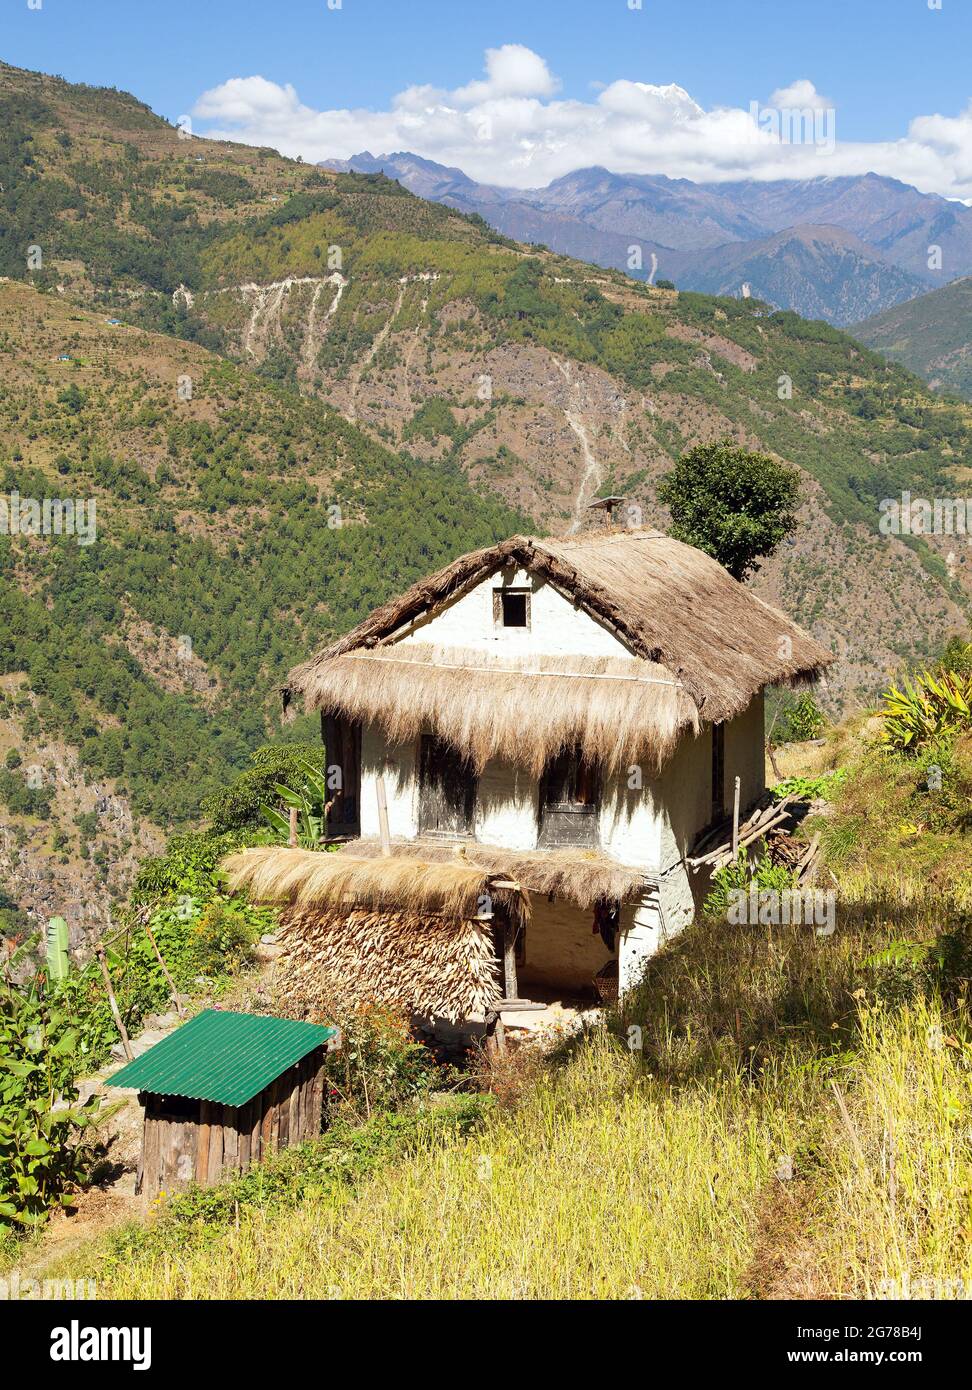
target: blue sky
882 63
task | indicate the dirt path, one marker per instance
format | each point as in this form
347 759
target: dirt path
593 474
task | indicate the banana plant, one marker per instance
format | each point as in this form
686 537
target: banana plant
311 803
57 949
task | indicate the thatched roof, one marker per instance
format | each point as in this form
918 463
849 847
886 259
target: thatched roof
439 967
621 711
386 930
701 646
582 877
304 878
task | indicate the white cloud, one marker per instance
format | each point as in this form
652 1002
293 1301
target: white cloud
511 71
244 99
801 93
509 127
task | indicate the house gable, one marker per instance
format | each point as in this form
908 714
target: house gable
556 625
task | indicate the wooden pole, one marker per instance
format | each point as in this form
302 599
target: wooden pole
175 994
100 953
292 838
495 1036
509 959
735 822
383 815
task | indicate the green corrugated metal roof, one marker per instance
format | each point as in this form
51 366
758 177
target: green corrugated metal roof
222 1057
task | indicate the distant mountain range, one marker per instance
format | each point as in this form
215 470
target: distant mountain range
840 249
932 335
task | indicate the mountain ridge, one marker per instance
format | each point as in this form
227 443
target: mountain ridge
930 335
596 213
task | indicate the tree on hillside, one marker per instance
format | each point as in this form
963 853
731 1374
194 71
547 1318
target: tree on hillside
734 504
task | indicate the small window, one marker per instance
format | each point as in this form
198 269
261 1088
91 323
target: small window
511 607
570 796
447 789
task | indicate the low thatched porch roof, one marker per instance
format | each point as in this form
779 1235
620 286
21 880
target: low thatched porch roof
581 877
390 930
695 646
335 882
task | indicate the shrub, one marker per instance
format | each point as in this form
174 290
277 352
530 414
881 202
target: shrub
379 1063
926 708
225 933
811 788
798 720
238 806
744 874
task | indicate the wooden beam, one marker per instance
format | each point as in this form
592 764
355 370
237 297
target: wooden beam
202 1142
231 1139
383 815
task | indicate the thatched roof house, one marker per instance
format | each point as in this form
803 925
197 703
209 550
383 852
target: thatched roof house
695 646
567 716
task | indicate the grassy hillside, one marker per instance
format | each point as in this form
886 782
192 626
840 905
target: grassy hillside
773 1115
930 335
773 1112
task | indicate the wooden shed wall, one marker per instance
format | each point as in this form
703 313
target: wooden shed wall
197 1140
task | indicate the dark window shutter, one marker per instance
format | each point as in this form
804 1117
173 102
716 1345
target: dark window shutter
570 799
342 744
447 789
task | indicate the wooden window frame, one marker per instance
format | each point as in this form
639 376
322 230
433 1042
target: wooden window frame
507 591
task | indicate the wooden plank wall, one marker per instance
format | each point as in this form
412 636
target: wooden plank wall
206 1142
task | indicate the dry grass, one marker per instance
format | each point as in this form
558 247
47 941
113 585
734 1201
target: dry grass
599 1186
578 876
608 1182
893 1202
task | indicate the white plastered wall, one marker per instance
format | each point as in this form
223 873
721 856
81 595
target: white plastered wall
557 626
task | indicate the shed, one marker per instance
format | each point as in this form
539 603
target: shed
222 1092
